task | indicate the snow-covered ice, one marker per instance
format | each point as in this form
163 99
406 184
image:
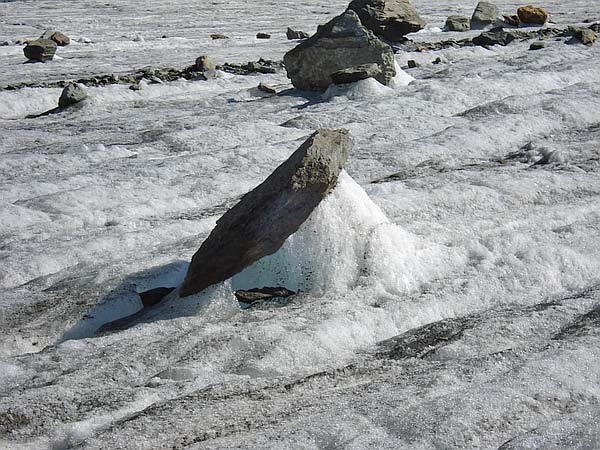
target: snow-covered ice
448 288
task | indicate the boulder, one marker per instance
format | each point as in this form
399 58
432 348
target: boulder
496 36
59 38
72 93
586 36
266 216
457 23
533 15
263 36
356 73
340 44
296 34
388 19
485 14
40 50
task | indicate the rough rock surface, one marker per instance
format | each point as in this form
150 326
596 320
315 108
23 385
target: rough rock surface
497 36
485 14
204 64
389 19
586 36
41 50
266 216
357 73
340 44
533 15
59 38
512 20
458 23
71 94
296 34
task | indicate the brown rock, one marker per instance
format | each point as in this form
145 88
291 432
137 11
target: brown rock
586 36
218 36
266 216
533 15
58 37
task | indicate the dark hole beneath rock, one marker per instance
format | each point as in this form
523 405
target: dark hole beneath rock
154 296
254 295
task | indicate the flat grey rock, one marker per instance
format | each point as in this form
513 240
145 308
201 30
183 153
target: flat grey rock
340 44
266 216
458 23
485 14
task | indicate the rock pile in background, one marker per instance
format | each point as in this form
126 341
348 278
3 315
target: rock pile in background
266 216
342 43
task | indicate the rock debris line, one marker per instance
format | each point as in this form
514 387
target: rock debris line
266 216
200 70
342 43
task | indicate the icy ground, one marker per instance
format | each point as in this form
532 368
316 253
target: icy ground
457 306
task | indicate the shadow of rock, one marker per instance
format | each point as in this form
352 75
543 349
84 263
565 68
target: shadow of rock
124 301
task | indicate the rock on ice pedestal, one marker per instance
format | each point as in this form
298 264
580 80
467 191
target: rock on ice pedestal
266 216
340 44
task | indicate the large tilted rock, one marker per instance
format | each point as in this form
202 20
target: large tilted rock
40 50
485 14
389 19
266 216
340 44
458 23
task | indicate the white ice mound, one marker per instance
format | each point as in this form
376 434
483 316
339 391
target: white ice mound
366 88
347 241
401 79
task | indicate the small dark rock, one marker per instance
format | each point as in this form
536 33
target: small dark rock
496 36
538 45
263 36
40 50
412 64
595 27
264 87
296 34
218 36
261 294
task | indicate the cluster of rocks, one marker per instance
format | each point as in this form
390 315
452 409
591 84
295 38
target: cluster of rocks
44 48
487 15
